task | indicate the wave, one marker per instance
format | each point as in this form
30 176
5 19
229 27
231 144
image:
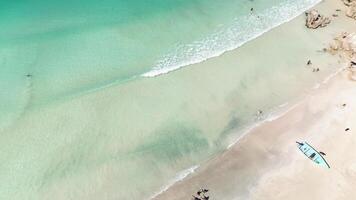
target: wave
9 117
180 176
242 30
272 115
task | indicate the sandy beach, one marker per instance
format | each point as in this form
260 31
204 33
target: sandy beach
266 163
75 128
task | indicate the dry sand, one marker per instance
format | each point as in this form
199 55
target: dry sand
321 120
266 163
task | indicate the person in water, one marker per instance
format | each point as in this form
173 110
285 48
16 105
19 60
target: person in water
259 114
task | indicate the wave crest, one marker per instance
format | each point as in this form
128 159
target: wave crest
232 37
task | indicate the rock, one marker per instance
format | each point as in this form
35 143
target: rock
348 2
345 42
315 20
345 46
351 10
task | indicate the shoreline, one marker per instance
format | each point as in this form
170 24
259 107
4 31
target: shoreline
165 70
114 83
250 135
140 134
335 87
272 116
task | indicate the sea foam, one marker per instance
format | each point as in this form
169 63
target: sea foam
242 30
179 177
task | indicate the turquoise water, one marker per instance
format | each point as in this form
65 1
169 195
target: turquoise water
128 141
72 47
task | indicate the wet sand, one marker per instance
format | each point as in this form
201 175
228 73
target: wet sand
127 141
266 163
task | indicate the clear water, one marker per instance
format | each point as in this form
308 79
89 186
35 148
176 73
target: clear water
125 143
72 47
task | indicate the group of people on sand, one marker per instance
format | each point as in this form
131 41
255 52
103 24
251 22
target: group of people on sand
201 195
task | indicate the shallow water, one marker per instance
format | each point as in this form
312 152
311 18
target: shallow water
128 141
72 47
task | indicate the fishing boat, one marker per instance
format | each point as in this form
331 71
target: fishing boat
313 154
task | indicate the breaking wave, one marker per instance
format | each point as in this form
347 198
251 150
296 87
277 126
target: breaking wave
180 176
242 30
